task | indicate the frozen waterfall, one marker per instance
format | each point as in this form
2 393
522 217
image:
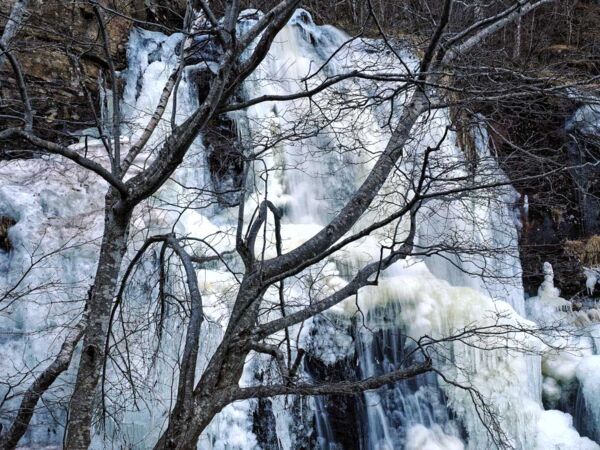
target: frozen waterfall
465 273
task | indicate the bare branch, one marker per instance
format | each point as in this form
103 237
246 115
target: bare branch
487 27
15 20
41 384
57 149
360 280
21 84
339 388
153 122
116 125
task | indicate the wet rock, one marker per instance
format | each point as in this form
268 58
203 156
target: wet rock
202 50
225 160
5 223
263 425
340 412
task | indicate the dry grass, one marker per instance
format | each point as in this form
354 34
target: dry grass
586 251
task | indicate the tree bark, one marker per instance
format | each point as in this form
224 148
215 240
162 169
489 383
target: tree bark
185 425
114 244
184 436
13 24
224 370
183 408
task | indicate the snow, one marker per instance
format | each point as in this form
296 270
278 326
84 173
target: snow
592 274
555 432
422 438
573 343
586 119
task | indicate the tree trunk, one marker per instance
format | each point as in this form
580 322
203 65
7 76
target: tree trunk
188 423
184 434
114 244
189 419
40 385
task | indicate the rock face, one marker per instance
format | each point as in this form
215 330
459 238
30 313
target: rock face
5 224
558 137
341 410
61 51
560 210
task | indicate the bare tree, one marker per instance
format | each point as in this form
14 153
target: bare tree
442 78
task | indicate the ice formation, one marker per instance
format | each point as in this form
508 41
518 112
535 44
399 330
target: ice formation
591 278
57 208
586 118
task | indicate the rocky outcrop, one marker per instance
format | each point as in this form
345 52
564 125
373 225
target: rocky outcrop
5 224
225 160
60 49
553 164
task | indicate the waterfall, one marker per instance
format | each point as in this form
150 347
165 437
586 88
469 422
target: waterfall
473 277
395 414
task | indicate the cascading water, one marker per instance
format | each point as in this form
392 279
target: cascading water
462 283
394 413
